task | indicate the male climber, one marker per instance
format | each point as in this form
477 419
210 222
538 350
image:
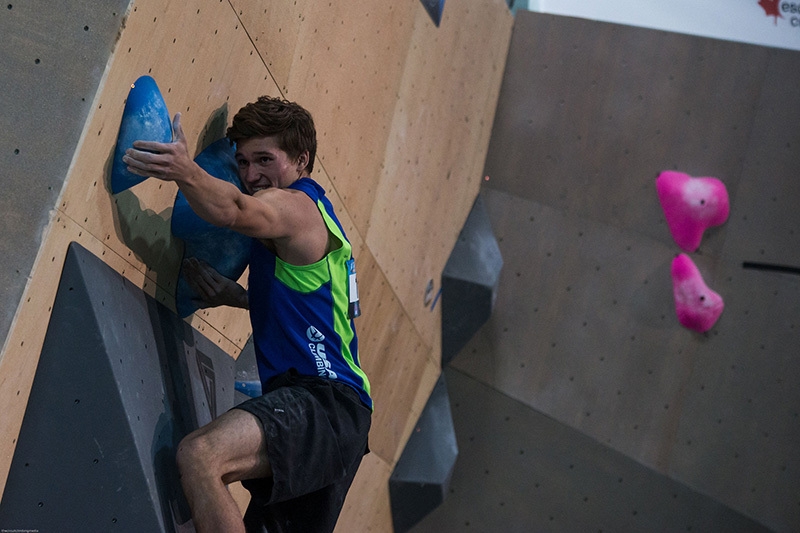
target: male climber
297 447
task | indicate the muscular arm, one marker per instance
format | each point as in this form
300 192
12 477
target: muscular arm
216 201
286 218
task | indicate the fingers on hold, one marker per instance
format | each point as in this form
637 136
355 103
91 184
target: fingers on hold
177 129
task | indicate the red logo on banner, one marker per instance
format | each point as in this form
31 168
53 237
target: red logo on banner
771 8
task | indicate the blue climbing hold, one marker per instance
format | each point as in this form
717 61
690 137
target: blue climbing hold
227 251
145 118
434 9
248 388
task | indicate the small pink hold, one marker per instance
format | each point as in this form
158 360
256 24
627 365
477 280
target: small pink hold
697 306
691 205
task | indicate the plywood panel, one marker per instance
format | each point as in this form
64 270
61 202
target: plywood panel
398 362
274 28
346 64
436 147
205 67
367 507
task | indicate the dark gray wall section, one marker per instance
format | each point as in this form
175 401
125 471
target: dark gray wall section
559 479
589 113
52 57
584 329
765 220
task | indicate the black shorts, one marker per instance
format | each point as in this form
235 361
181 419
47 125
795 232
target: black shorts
316 432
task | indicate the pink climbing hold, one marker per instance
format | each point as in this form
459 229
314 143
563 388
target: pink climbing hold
697 306
691 205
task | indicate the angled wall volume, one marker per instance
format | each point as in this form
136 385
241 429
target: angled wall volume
422 475
469 281
120 381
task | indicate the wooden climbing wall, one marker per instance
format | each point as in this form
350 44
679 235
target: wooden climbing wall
403 112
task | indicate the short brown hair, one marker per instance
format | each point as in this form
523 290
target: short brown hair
290 123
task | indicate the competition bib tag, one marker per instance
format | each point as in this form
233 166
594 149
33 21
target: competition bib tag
354 309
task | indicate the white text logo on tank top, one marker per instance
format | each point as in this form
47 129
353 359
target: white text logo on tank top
318 351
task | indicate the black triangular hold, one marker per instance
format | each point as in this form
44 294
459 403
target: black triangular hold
206 367
434 9
421 476
469 281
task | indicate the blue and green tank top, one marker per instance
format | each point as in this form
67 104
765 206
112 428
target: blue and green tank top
301 314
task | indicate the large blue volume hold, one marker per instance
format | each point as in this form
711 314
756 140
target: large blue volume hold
145 118
225 250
